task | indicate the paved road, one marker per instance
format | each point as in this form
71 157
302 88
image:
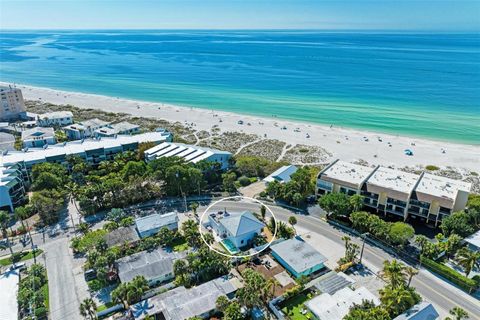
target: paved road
440 293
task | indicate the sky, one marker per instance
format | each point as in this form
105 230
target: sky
456 15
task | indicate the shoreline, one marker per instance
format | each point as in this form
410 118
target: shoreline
344 143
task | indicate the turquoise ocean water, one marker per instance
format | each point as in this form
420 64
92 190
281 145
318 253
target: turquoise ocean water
415 84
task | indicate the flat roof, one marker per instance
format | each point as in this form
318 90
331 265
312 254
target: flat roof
298 254
155 221
347 172
56 115
441 186
393 179
8 295
337 306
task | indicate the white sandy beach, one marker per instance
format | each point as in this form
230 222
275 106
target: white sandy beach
346 144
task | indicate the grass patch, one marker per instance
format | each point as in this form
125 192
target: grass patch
294 306
105 306
179 244
26 255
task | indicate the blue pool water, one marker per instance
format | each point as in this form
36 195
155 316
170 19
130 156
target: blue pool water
423 85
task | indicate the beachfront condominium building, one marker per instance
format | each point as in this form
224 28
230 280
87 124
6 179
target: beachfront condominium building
117 128
389 191
92 151
55 119
12 187
84 129
38 137
189 153
12 104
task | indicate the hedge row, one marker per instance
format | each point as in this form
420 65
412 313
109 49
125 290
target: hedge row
460 280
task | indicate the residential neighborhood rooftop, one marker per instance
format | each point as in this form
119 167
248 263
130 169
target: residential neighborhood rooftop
298 254
421 311
8 294
337 306
155 221
148 264
282 174
474 240
239 223
121 235
181 303
38 133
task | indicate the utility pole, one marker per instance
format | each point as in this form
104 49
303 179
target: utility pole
364 237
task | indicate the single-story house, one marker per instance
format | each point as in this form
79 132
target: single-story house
473 241
8 294
56 118
121 235
117 128
337 306
239 228
298 257
282 175
151 224
420 311
181 303
84 129
38 137
156 266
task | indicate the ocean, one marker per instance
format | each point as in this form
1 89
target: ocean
414 84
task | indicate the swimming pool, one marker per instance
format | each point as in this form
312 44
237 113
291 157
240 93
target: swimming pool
227 244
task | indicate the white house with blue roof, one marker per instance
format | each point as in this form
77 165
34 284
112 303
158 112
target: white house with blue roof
282 175
237 228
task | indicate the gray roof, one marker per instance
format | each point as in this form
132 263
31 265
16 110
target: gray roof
148 264
282 174
121 235
181 303
421 311
298 254
155 221
38 132
474 239
238 224
94 123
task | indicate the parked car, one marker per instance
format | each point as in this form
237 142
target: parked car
90 274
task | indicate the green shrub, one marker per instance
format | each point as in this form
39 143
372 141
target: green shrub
95 285
244 181
463 282
40 312
431 167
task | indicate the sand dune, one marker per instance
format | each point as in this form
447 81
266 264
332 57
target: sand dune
346 144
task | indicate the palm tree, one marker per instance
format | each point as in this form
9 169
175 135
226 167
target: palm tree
468 259
88 309
293 221
263 212
393 272
410 272
398 300
208 237
458 313
356 201
194 207
4 219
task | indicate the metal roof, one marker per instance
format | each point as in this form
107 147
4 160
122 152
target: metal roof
299 255
421 311
241 223
155 221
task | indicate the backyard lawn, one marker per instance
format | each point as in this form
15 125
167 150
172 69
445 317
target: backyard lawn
25 255
179 244
295 309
